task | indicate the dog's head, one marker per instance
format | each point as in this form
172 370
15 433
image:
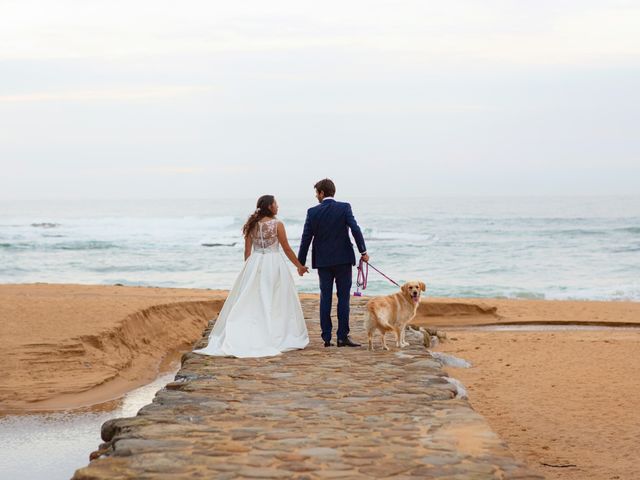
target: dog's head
413 290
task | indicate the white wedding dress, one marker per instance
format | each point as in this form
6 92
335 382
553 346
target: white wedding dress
262 315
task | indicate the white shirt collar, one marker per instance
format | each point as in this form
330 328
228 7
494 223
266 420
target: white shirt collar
328 198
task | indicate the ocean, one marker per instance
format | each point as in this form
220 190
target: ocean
507 247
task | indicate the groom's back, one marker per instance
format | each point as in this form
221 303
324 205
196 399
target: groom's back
330 220
330 229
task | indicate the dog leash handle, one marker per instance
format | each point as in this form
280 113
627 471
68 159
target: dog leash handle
361 281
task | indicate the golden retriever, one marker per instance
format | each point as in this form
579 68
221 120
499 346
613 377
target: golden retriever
393 313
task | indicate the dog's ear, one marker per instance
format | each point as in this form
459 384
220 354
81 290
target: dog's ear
404 287
423 287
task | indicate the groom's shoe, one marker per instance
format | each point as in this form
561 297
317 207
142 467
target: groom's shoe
327 343
346 342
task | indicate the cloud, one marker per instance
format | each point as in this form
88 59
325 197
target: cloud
146 93
118 91
543 32
170 170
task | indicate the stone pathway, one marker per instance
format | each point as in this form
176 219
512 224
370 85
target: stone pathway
312 414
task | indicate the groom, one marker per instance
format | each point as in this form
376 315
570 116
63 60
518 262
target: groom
332 255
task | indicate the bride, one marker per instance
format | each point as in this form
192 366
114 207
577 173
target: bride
262 315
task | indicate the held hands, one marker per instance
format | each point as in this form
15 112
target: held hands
302 270
365 258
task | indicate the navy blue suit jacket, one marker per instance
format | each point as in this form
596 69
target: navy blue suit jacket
327 225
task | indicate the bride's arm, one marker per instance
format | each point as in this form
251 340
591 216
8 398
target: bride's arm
284 243
247 247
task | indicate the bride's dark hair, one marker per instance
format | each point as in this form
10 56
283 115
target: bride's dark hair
262 210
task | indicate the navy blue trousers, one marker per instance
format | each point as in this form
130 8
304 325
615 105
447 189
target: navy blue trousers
341 275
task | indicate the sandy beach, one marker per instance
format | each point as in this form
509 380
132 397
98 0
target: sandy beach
566 398
66 346
569 399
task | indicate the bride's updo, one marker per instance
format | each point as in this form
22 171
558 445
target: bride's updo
262 210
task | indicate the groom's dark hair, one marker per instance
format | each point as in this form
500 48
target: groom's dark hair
326 186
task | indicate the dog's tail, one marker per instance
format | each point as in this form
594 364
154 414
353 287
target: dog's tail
367 320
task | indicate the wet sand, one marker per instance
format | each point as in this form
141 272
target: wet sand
569 399
67 346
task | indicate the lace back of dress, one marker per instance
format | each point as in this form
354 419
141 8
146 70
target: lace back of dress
265 236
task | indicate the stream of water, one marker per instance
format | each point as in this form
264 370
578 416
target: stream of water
52 446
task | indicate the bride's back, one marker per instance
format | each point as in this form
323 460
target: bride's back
264 236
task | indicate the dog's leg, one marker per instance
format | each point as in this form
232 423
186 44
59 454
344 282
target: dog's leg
402 334
368 328
384 340
396 331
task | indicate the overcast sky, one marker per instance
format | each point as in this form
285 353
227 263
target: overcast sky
111 99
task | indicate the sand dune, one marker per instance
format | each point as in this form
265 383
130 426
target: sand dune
485 311
65 346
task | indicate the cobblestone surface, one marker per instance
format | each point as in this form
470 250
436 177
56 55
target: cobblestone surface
311 414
